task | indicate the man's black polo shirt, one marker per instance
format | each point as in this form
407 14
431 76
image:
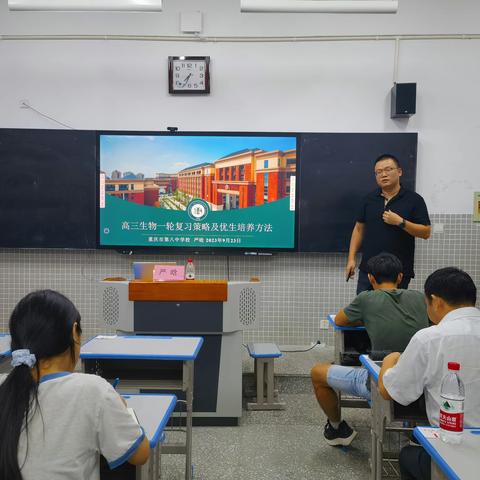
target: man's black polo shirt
380 237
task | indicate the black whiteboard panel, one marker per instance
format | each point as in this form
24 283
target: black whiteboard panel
47 188
336 172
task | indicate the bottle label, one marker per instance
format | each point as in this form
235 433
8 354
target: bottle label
451 415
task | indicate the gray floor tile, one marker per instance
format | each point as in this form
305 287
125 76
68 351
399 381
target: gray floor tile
276 446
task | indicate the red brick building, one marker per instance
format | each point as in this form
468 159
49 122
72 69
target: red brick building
234 184
167 182
273 171
196 181
143 192
242 179
252 177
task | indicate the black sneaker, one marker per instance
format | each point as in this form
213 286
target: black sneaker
344 435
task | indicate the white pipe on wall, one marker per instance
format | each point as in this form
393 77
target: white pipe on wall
240 39
87 5
319 6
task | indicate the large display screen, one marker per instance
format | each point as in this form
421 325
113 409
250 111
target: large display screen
217 191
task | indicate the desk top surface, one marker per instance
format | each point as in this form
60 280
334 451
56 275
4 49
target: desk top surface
372 367
263 350
457 462
331 319
153 412
141 347
4 344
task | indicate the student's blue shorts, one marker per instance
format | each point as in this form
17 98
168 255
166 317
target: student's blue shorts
351 380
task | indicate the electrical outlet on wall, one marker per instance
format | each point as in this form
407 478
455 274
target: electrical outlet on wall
324 324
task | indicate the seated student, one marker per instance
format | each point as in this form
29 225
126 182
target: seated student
391 316
56 423
451 296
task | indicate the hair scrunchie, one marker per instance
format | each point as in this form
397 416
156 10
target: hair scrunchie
23 357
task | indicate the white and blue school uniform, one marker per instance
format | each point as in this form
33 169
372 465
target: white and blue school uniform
79 417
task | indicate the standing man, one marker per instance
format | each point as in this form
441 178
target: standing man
389 219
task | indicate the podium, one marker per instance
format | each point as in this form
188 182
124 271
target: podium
216 310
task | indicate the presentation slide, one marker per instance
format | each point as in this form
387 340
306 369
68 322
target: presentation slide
194 191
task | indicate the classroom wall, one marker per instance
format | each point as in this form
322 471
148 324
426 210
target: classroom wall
337 86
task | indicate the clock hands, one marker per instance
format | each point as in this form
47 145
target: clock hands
186 80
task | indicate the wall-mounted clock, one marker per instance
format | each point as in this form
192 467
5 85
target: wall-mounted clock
187 75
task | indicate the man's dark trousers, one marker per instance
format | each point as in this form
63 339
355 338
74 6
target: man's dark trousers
415 464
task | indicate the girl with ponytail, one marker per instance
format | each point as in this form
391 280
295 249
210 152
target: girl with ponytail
54 423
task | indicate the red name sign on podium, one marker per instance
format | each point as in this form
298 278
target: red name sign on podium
168 273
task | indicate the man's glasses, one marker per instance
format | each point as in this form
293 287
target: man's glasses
387 170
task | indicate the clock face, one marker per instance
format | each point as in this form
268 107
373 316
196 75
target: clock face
189 75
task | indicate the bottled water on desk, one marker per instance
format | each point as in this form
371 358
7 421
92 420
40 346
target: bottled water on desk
190 270
452 398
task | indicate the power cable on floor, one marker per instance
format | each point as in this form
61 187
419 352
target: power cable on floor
302 351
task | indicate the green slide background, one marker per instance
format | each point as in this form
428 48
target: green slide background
277 214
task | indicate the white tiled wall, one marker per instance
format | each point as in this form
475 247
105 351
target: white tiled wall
298 289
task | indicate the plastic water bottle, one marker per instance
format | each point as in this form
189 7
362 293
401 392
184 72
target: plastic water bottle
190 270
452 398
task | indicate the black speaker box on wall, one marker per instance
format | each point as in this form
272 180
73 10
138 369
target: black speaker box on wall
404 99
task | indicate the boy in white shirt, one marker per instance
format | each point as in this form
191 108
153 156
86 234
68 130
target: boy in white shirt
450 296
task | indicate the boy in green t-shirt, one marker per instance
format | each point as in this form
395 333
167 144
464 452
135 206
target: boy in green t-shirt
391 317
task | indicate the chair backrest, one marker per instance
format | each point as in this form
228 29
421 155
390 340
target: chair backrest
416 410
377 355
